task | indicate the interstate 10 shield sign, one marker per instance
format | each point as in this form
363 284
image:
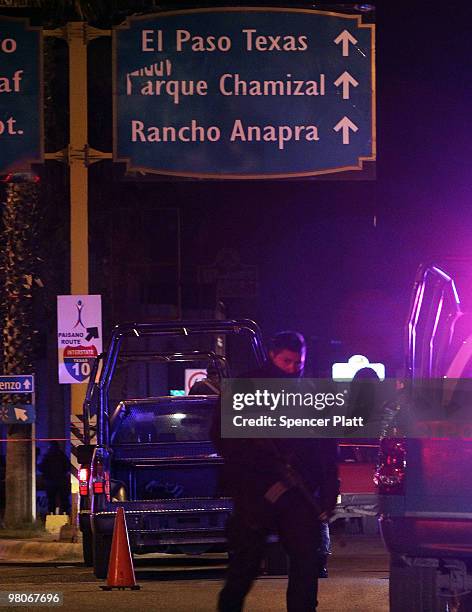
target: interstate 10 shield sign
79 335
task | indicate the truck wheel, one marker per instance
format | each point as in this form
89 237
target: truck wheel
87 547
101 554
413 589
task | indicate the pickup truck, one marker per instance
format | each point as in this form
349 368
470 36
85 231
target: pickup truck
425 484
153 456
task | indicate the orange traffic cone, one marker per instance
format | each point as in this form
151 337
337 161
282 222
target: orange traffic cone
120 569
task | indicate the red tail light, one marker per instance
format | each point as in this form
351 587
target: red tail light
83 481
100 477
389 476
99 486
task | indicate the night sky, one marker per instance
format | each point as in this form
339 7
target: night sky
335 258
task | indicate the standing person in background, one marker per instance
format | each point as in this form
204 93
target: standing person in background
55 468
363 402
287 485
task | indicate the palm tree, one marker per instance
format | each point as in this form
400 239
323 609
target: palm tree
19 271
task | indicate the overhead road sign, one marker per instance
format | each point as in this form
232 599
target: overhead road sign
21 105
243 93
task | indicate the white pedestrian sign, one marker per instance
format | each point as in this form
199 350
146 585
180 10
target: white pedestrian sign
79 336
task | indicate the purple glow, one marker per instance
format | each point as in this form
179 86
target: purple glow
412 325
433 332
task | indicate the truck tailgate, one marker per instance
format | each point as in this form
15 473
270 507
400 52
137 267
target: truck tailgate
441 482
357 477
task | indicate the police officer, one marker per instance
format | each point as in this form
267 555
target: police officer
285 485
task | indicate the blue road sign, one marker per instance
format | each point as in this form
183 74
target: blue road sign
245 92
21 383
17 413
21 138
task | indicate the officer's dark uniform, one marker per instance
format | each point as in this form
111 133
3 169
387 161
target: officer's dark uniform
209 385
254 467
204 387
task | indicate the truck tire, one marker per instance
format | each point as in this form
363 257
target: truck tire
101 554
413 589
87 547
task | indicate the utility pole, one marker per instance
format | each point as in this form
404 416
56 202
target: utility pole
79 156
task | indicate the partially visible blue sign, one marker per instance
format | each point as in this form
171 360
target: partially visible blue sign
21 141
17 413
244 93
21 383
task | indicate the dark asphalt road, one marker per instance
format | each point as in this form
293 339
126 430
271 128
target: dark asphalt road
358 582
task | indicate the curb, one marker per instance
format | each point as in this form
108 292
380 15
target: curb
44 550
28 550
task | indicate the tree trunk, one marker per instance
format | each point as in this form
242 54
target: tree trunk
19 264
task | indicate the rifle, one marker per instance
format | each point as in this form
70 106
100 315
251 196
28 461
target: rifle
291 479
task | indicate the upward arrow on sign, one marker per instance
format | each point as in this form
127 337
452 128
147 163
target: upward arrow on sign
345 80
345 125
26 384
345 38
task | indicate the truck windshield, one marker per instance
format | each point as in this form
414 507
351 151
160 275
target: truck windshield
148 423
